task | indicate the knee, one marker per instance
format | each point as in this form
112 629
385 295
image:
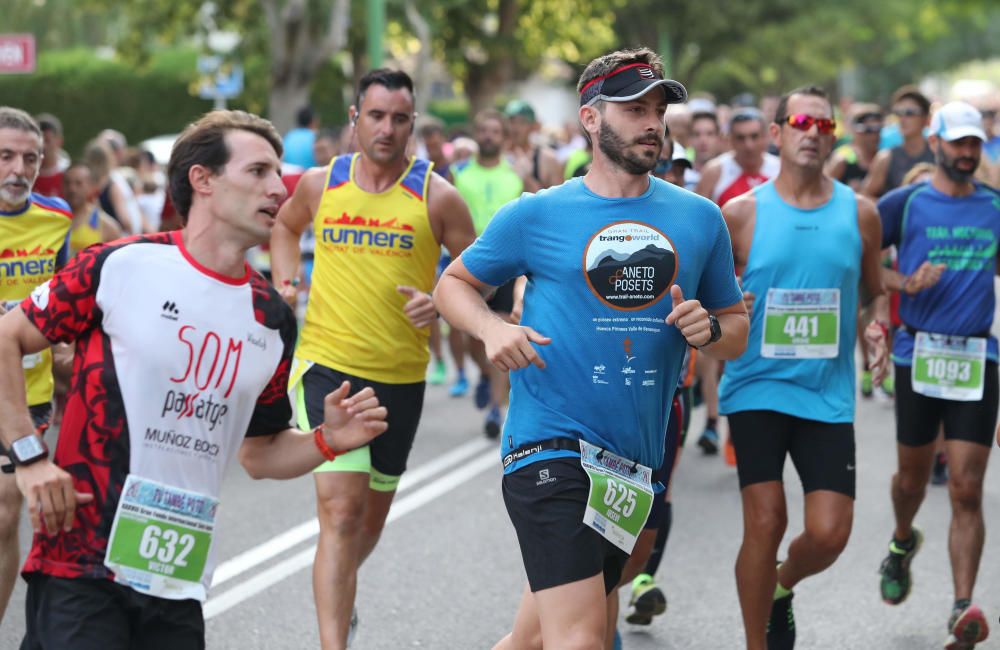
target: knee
910 486
765 523
966 494
341 516
10 513
829 538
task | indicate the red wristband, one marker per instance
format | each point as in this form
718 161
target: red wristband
325 449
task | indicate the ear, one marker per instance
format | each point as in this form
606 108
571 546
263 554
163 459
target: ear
775 132
200 178
352 114
933 141
590 120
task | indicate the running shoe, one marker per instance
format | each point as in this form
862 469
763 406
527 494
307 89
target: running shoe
866 384
460 387
439 374
939 475
709 441
647 601
889 386
895 570
482 395
966 628
353 629
494 422
781 626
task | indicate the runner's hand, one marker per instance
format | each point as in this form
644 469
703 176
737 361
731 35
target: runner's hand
419 308
748 298
289 292
925 277
509 347
878 352
51 498
690 318
352 422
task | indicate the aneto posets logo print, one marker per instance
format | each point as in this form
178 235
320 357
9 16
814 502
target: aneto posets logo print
629 265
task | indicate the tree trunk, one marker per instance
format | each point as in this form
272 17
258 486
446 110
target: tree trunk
421 76
285 101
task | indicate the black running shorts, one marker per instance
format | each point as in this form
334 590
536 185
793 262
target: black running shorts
919 417
98 614
404 402
823 452
546 501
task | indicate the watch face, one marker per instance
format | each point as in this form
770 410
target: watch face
27 448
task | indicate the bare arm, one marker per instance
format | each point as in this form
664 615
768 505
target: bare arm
870 227
349 423
459 298
551 170
120 203
47 488
709 177
293 218
450 217
874 184
110 230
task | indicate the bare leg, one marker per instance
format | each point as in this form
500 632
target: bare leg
967 462
10 557
764 521
828 519
341 505
909 485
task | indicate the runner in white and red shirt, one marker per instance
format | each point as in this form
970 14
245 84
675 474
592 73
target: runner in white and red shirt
746 166
182 362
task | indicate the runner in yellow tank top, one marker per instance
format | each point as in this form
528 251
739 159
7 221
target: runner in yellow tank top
380 219
33 232
91 225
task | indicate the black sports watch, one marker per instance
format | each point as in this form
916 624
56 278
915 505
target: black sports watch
716 329
27 450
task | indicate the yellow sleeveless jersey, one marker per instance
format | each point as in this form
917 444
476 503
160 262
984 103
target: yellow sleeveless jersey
86 234
367 245
32 244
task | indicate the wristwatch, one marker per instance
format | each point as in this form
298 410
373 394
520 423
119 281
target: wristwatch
716 329
27 450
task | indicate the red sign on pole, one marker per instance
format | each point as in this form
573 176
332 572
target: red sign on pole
17 53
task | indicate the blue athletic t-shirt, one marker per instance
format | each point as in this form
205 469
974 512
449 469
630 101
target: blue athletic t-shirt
960 232
599 275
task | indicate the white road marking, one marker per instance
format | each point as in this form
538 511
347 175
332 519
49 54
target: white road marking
261 581
307 530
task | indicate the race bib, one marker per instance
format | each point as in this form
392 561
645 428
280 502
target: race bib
949 367
801 324
621 495
160 538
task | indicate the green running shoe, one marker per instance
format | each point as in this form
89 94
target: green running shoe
889 385
866 384
439 374
895 570
647 601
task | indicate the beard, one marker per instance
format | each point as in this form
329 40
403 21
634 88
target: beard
15 194
614 147
489 149
950 166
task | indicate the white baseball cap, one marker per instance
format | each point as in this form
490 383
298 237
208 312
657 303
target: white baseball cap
956 120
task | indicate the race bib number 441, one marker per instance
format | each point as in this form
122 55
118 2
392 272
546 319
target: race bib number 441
160 538
949 367
801 324
621 495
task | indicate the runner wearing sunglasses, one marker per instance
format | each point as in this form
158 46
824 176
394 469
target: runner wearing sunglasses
850 162
792 392
912 108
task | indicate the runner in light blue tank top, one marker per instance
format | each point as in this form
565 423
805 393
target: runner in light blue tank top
804 242
793 249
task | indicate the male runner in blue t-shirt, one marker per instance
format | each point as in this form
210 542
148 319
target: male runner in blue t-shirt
589 405
945 358
792 393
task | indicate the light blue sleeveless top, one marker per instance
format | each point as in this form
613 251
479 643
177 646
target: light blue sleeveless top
794 248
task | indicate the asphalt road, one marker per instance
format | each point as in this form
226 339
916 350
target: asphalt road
447 573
